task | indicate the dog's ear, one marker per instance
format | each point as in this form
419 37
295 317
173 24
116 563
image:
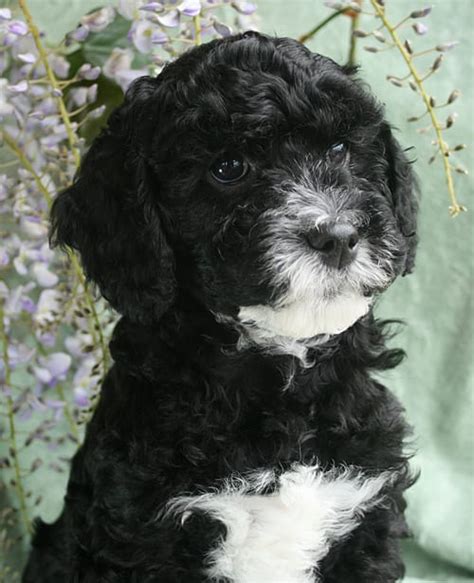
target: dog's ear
403 189
110 213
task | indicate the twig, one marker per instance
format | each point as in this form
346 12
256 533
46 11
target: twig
306 37
197 29
353 40
67 413
455 207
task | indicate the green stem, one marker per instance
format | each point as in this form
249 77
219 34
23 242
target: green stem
306 37
455 207
351 61
67 413
197 30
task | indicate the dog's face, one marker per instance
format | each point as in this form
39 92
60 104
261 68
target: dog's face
257 177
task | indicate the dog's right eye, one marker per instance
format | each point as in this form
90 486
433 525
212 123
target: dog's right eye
229 168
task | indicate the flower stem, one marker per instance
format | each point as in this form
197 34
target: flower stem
15 148
455 207
309 35
95 318
197 30
351 61
67 413
72 138
11 424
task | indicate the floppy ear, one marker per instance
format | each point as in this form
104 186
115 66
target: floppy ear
110 213
403 188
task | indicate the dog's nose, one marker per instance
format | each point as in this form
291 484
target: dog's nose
336 243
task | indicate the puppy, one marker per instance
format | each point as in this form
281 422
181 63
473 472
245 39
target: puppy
241 211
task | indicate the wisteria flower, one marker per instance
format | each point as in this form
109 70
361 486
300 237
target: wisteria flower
169 19
98 20
141 34
44 276
118 67
190 7
52 368
129 8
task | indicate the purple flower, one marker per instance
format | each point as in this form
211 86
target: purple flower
75 345
49 303
97 112
79 96
59 65
18 28
152 7
28 305
5 14
98 20
128 8
244 7
33 227
80 34
158 37
420 28
169 19
222 28
52 368
28 58
141 35
43 276
190 7
92 93
81 397
88 72
19 87
118 68
18 354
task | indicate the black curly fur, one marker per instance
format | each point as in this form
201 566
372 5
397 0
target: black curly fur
182 409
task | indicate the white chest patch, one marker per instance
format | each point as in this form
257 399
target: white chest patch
305 317
281 537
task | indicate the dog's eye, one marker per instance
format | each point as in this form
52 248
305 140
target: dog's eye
229 168
338 151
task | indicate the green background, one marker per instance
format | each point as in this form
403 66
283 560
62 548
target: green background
435 382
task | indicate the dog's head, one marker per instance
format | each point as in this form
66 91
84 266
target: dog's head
253 175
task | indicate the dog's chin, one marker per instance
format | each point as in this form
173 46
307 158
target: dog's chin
306 317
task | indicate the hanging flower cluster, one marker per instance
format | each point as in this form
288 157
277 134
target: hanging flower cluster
53 330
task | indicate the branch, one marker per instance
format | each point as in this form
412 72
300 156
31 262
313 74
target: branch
309 35
455 207
197 30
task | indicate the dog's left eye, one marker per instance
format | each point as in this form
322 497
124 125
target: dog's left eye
338 150
229 168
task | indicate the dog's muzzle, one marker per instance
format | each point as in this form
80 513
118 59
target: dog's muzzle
336 243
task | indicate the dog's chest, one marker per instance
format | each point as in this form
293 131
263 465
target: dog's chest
281 537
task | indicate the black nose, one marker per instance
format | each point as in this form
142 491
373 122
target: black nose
336 242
